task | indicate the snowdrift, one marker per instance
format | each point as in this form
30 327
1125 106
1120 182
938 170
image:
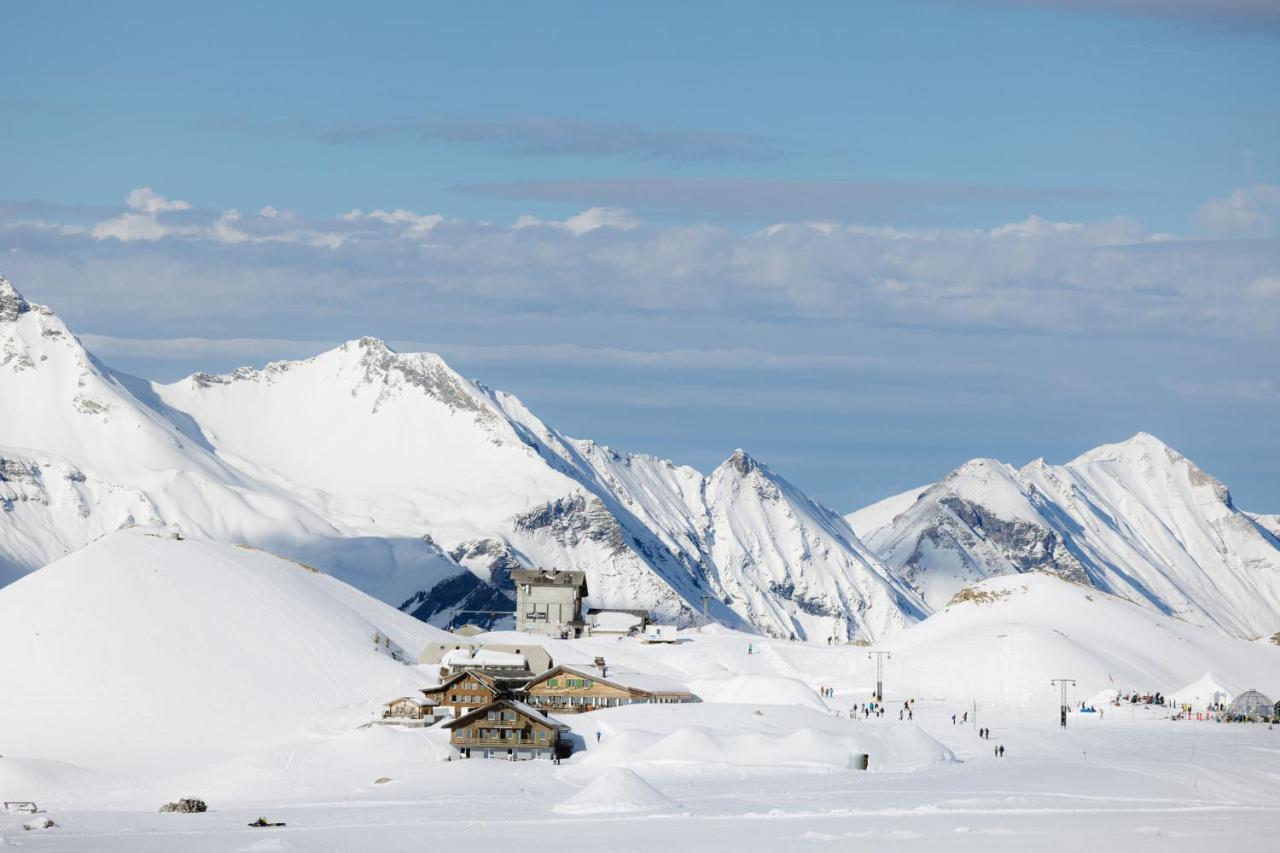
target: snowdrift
141 648
708 738
759 689
618 790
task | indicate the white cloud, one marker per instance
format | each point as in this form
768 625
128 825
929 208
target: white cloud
585 222
143 225
1034 273
1247 212
130 226
149 201
1265 286
416 222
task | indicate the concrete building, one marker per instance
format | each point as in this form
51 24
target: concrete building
549 602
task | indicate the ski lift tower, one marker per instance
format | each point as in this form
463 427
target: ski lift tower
1062 707
879 656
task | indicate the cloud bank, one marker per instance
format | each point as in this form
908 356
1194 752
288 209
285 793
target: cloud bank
1111 276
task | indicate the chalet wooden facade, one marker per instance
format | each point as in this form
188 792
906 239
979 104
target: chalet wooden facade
510 730
464 692
568 690
407 707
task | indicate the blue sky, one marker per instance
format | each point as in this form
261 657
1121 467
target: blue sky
865 241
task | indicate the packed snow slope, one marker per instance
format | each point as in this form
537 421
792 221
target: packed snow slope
418 486
1135 519
1001 641
142 650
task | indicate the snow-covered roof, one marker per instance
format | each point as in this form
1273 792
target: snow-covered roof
614 620
624 678
485 658
515 704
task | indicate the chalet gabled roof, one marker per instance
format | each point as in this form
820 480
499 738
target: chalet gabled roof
635 682
483 677
519 707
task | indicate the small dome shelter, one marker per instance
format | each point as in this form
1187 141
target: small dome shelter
1250 705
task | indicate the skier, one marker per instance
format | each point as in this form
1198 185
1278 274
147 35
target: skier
899 716
965 719
1002 750
748 648
953 719
597 735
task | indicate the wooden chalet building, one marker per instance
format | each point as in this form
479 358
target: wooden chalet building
470 689
407 707
570 690
511 730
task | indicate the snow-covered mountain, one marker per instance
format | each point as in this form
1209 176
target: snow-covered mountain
274 652
412 483
1135 519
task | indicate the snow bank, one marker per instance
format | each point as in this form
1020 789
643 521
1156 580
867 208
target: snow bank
706 737
759 689
47 783
618 790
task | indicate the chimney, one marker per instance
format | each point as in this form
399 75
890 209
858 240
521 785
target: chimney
604 671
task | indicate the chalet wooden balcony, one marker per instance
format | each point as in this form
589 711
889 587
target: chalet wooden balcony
519 738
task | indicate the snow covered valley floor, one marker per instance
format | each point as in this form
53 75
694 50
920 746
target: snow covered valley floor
1131 780
143 669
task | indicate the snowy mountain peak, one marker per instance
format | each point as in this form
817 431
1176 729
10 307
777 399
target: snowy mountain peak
1148 458
1135 518
742 462
12 302
1142 444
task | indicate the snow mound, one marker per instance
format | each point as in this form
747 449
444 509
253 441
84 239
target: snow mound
618 790
708 737
48 783
141 648
759 689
